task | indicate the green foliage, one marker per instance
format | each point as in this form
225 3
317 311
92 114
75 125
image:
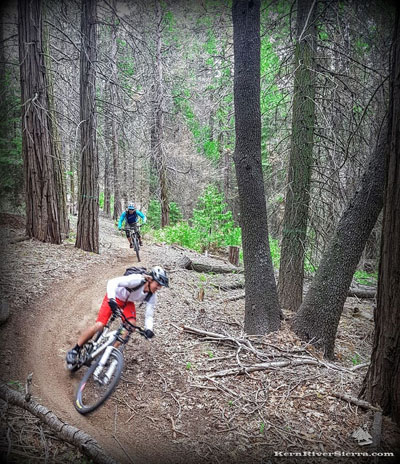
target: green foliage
262 428
273 102
188 365
322 32
11 164
154 215
275 251
212 220
211 225
175 214
180 233
356 360
309 266
365 278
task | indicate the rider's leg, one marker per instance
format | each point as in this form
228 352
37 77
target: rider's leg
128 236
102 319
89 333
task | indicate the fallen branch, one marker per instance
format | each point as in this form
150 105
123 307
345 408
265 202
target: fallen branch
68 433
245 344
262 366
351 399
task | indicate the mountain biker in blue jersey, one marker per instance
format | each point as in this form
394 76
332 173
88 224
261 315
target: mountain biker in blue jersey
131 217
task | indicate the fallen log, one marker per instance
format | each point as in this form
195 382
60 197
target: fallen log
187 263
68 433
360 293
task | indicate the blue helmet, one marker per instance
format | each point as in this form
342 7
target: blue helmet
131 207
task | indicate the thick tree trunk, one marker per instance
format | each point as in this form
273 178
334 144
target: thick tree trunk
42 207
87 236
59 164
262 313
291 271
319 315
382 382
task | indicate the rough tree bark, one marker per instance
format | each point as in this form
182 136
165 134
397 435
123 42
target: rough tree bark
291 270
319 315
59 163
381 384
87 236
42 206
159 156
262 312
114 128
86 444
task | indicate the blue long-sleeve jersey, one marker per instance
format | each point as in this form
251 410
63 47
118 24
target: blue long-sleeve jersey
131 218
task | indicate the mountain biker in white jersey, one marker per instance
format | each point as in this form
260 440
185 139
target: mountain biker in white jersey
123 292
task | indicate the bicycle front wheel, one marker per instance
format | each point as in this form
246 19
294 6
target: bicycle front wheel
95 387
136 247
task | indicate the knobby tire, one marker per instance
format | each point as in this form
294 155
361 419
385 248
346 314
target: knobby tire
136 246
90 394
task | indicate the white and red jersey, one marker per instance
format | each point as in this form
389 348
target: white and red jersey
118 288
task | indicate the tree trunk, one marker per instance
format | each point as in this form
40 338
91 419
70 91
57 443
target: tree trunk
59 164
262 313
319 315
291 270
159 124
42 206
107 190
87 236
114 128
381 384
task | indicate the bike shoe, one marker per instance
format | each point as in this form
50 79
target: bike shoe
72 357
130 245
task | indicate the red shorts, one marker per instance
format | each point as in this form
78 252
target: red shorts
129 310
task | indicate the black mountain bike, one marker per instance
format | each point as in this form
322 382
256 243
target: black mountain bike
133 233
104 358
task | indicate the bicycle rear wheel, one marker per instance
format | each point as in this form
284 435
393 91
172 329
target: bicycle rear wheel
136 246
92 392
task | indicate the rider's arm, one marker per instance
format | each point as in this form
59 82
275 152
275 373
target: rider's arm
121 219
142 215
148 317
128 281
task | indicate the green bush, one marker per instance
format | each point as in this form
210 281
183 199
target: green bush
213 221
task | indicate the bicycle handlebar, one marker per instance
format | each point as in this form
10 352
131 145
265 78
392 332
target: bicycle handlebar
133 227
126 321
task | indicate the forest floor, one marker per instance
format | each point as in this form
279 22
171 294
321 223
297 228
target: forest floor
183 398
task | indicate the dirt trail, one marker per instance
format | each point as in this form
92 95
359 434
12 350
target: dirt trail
54 325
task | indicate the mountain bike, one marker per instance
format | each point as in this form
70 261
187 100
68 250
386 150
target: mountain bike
133 232
104 358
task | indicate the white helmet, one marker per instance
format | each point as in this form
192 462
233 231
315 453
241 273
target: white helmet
160 276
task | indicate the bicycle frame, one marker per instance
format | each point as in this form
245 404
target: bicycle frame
105 361
106 339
